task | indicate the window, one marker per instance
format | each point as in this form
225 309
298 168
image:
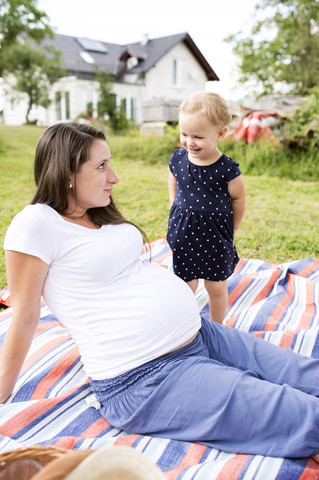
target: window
67 105
178 72
92 45
131 62
133 108
62 106
58 106
86 57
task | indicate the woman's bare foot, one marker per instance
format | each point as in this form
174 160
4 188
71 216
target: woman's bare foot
316 458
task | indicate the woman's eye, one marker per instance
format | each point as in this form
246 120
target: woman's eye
101 167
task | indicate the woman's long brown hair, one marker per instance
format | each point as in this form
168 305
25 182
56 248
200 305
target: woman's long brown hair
62 149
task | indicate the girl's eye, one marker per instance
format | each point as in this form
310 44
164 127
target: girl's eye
102 166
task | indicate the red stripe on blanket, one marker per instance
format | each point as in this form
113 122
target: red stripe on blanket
279 310
287 338
126 441
240 264
268 287
158 241
307 315
32 359
233 467
240 288
29 414
57 371
311 471
192 457
67 442
42 327
230 322
309 269
96 428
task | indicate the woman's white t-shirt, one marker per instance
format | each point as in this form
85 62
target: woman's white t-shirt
122 312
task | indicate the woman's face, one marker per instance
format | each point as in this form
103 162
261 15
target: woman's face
94 180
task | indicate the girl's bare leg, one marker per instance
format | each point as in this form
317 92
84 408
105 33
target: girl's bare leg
193 284
316 458
218 299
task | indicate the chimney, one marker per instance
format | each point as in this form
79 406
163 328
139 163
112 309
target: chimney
144 39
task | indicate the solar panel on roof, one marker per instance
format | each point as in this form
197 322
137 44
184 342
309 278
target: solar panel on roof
92 45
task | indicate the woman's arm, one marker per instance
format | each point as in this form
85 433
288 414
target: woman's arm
26 275
171 187
236 189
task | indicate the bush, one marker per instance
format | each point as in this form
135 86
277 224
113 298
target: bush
307 117
265 158
150 148
262 158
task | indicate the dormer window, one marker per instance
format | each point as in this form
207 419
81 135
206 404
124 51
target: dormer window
86 57
131 62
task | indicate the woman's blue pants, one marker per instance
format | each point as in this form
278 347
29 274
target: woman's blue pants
227 389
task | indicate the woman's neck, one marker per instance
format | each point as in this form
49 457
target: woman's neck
80 219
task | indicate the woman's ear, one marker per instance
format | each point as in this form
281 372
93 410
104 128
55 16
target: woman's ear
222 133
71 180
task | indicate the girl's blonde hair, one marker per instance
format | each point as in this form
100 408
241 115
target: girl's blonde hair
213 107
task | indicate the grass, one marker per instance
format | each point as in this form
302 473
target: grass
281 221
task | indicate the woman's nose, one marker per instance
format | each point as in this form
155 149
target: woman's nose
112 177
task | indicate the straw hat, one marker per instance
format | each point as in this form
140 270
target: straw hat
116 463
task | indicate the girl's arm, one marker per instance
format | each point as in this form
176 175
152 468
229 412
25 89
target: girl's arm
26 275
236 189
171 187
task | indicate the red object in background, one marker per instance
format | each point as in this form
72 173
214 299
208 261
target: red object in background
5 298
254 127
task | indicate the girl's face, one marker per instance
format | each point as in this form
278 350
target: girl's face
200 137
94 180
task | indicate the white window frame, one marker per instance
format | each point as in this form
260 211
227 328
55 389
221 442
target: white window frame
178 72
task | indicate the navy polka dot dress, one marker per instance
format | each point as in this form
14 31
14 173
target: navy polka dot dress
200 227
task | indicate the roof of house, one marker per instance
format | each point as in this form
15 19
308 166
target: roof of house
83 55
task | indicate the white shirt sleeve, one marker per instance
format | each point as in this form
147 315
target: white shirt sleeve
29 233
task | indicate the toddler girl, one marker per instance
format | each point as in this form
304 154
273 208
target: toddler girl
207 195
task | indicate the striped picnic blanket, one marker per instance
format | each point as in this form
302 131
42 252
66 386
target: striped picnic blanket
49 406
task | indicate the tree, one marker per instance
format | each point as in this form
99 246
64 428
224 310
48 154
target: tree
107 103
34 71
21 17
291 56
107 99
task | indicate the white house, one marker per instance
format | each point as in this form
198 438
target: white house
151 78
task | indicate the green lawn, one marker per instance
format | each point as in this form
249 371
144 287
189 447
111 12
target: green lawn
281 222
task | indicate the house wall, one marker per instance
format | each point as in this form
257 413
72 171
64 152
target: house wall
162 92
159 80
70 99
